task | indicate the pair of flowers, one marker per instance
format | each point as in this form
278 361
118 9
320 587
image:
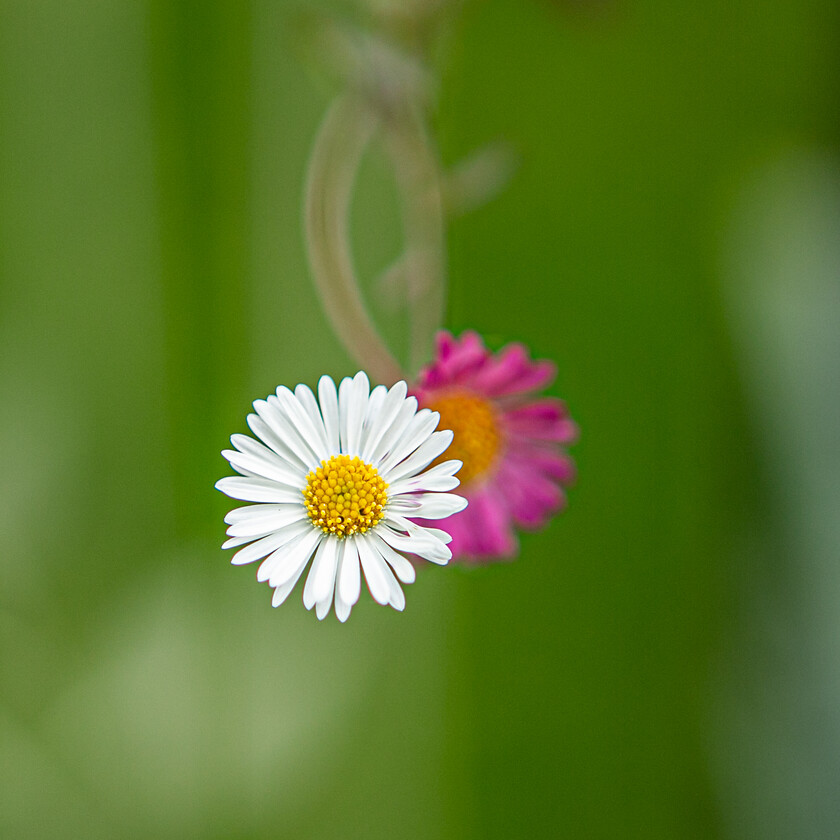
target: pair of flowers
355 479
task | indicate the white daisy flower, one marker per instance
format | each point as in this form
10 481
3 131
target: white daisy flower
341 481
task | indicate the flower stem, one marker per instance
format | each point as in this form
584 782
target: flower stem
345 132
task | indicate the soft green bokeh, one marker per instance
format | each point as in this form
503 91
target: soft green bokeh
659 663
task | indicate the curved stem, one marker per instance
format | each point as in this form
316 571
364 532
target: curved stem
345 132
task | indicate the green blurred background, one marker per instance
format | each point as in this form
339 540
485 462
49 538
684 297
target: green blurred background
662 662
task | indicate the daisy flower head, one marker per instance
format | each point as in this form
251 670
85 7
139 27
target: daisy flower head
340 480
510 440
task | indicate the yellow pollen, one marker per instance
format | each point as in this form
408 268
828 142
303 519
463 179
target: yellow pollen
477 438
345 496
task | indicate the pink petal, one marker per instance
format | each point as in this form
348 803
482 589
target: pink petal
491 534
532 497
527 487
457 361
543 419
511 371
446 345
553 464
458 527
483 530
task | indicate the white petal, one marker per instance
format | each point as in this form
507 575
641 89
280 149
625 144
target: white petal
427 547
392 434
417 432
321 580
282 591
286 421
266 434
399 523
244 514
342 607
398 562
380 579
322 608
291 557
304 395
397 599
259 549
437 443
247 444
443 536
260 527
312 434
263 467
345 392
384 418
439 478
446 468
272 414
284 560
352 403
349 578
404 505
342 610
361 392
439 538
235 541
372 415
438 505
329 410
249 489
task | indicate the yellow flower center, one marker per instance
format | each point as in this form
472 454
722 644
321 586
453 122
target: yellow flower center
477 438
345 496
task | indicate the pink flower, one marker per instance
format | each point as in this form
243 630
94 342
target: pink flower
510 440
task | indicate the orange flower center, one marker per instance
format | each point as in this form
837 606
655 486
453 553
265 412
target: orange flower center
477 439
345 496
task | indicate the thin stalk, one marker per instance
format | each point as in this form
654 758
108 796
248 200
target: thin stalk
345 133
418 177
